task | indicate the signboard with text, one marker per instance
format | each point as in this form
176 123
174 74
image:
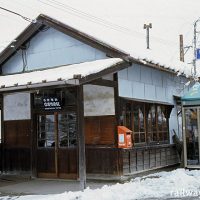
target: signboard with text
198 54
51 103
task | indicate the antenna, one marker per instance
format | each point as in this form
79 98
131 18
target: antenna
147 27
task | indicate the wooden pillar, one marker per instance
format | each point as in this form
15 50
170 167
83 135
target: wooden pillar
2 136
117 108
56 141
33 139
81 139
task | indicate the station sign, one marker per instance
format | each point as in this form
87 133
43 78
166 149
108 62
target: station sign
51 103
198 54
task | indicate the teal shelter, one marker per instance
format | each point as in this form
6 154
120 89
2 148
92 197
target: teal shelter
193 96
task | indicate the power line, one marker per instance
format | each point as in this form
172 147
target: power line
83 15
15 13
88 15
80 16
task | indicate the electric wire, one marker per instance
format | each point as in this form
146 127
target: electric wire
15 13
92 18
88 15
97 20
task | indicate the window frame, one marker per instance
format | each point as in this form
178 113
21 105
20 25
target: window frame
161 136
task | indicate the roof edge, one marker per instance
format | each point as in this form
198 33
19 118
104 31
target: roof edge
43 19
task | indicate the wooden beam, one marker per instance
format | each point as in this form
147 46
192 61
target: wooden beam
103 82
113 69
81 139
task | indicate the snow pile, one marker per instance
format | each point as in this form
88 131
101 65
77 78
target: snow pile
178 183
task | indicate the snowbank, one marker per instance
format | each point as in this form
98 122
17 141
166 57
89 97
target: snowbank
178 183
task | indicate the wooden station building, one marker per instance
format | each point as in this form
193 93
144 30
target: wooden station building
64 92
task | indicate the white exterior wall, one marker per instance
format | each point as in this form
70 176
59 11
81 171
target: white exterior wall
49 49
17 106
98 100
148 84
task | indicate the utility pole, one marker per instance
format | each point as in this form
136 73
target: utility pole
195 46
181 48
147 27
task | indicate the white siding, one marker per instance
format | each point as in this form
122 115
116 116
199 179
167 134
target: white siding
52 48
141 82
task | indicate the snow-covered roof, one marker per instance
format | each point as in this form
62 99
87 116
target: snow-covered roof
121 24
56 76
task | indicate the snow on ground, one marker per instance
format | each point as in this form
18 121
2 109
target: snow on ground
175 184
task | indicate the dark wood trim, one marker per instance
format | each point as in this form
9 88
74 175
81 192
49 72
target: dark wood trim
31 30
81 139
33 141
31 90
2 134
103 82
113 69
56 141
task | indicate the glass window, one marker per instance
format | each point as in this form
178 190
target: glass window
149 122
67 134
128 116
138 122
46 137
152 128
192 136
162 123
66 129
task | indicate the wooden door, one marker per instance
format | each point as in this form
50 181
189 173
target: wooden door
56 145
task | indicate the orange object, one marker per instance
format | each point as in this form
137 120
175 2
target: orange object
124 137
